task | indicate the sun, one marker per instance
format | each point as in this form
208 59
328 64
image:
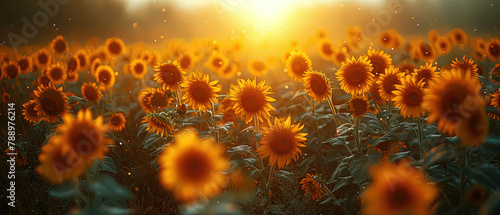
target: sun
264 14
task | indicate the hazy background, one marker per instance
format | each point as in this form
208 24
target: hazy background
79 20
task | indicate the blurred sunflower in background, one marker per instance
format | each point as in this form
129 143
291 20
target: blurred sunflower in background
169 75
157 123
495 74
91 92
11 70
298 64
42 58
114 47
257 67
281 142
388 82
458 36
138 68
355 75
51 103
493 50
56 73
58 166
83 59
29 112
426 74
409 97
25 64
317 85
105 76
230 71
311 186
473 129
251 99
467 65
192 167
186 61
117 121
217 62
200 92
442 45
154 100
326 49
379 60
407 68
59 46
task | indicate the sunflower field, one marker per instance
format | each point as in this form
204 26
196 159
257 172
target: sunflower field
337 122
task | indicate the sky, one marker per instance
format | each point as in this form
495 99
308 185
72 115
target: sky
154 21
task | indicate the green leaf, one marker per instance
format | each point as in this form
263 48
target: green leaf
287 176
66 190
151 138
400 155
239 149
142 129
108 164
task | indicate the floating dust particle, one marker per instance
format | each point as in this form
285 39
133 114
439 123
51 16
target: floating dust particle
134 25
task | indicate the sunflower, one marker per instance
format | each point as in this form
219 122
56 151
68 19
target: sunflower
379 60
29 112
229 71
389 147
425 51
257 67
495 74
311 186
56 73
83 59
153 100
326 49
340 57
446 99
409 97
388 82
57 166
73 64
96 63
476 195
25 64
11 70
425 74
138 68
186 61
169 75
355 75
251 99
407 68
359 106
191 167
442 45
5 97
317 85
321 33
43 80
148 57
200 92
473 129
50 102
479 55
495 99
398 190
375 93
105 76
458 36
281 142
467 65
91 92
117 121
432 36
84 136
42 58
391 39
114 46
297 64
217 62
157 123
493 50
59 45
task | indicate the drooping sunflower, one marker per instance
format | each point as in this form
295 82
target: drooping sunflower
317 85
58 166
281 141
326 49
59 46
25 64
388 82
447 97
359 106
251 99
157 123
91 92
169 75
217 62
398 190
257 67
42 58
409 96
473 129
114 47
458 36
56 73
84 136
117 121
50 102
467 65
153 100
83 59
311 186
495 74
442 45
191 167
425 74
200 92
297 64
493 50
29 112
389 147
379 60
407 68
476 195
355 75
138 68
11 70
105 76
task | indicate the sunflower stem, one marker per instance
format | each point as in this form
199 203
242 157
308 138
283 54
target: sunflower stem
334 111
421 143
324 187
462 163
356 134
